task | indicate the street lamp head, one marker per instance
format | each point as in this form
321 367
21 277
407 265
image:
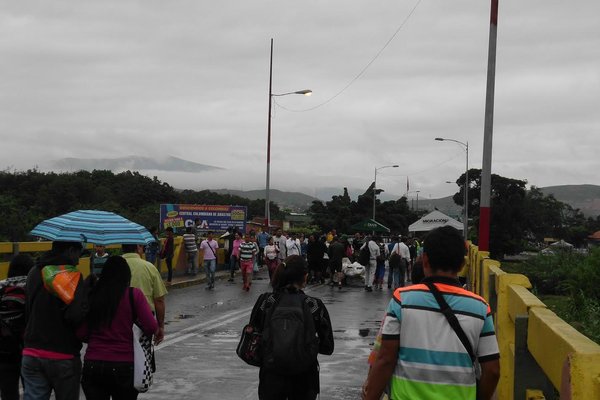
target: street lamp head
306 92
439 139
394 166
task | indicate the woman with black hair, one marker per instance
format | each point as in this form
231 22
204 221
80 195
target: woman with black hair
108 363
276 381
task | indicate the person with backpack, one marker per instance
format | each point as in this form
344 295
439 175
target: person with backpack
114 308
51 359
295 328
12 325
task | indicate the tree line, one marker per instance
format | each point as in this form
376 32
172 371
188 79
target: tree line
520 217
520 220
29 197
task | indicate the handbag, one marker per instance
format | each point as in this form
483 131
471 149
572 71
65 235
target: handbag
144 364
249 347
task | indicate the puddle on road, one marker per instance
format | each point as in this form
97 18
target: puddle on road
185 316
353 333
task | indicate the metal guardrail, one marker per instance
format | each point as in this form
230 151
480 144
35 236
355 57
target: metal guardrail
541 356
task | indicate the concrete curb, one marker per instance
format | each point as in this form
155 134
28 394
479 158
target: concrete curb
197 280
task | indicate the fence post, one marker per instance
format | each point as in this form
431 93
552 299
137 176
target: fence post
15 246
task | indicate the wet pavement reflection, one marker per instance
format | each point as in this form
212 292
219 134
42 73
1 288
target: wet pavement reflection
197 360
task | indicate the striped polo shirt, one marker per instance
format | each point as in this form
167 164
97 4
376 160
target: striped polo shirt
247 250
432 362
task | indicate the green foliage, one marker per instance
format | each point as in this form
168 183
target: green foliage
574 276
520 216
341 212
29 197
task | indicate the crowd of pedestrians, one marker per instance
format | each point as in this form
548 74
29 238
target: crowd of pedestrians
42 343
45 348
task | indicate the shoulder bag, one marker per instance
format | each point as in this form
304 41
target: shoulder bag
143 354
249 347
453 321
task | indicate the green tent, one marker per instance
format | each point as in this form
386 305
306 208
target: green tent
370 225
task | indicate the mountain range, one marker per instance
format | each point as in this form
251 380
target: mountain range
134 163
584 197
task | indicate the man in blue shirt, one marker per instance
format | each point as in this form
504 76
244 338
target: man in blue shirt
263 240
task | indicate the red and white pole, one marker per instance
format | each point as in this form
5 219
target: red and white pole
268 183
486 170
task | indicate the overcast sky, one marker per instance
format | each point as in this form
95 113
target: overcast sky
108 79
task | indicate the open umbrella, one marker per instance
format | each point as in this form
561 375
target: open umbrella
93 226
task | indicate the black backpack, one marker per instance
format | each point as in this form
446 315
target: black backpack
290 343
12 314
364 256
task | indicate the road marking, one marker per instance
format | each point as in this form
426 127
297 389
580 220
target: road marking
213 323
167 343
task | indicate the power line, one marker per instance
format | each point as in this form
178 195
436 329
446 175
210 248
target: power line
361 73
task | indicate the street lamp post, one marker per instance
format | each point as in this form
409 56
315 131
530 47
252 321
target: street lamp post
305 92
465 187
417 192
375 185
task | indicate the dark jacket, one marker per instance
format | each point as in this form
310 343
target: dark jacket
314 255
308 382
336 251
51 323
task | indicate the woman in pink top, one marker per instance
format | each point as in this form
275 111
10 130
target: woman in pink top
108 362
234 259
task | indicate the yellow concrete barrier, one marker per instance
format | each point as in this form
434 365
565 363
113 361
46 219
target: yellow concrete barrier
570 361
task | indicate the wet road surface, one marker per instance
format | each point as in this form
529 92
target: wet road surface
197 360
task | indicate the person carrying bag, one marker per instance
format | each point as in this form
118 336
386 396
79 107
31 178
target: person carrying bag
118 317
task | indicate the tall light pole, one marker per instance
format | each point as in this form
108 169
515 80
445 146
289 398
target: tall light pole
375 185
417 192
465 187
305 92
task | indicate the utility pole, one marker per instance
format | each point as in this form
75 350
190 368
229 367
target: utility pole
486 170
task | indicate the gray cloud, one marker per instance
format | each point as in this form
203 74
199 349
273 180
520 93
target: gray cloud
190 79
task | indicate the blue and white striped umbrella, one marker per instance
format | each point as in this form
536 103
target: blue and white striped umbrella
92 226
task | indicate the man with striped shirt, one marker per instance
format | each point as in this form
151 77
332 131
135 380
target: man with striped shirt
191 250
421 355
247 254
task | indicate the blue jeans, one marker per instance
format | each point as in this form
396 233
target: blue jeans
192 263
41 376
233 265
210 266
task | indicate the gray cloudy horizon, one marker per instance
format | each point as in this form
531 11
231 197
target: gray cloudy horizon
190 79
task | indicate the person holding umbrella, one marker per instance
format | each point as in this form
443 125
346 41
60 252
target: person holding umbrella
51 359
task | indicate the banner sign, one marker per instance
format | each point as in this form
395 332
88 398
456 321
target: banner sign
211 217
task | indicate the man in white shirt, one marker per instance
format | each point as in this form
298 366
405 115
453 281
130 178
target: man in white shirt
292 246
210 247
402 249
280 244
374 253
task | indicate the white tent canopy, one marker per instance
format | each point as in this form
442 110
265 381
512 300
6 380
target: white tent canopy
433 220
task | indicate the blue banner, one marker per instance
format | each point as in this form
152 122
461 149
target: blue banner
211 217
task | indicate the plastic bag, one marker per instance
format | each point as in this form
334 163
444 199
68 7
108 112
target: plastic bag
61 281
